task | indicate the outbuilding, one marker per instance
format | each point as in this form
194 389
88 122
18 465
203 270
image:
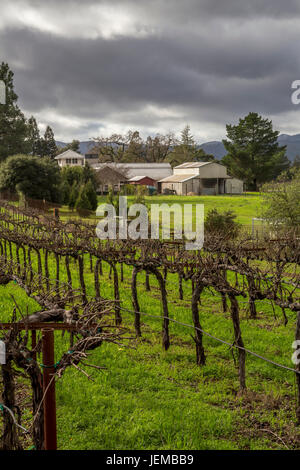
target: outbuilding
110 177
143 180
205 178
155 171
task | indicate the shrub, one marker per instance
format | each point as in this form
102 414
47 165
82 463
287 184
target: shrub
129 189
35 177
221 223
140 193
91 195
64 191
82 202
282 202
73 195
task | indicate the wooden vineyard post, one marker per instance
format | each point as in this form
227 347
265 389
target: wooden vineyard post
33 344
56 213
298 370
48 439
49 389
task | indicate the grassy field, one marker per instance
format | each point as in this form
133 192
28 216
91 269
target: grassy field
151 399
245 206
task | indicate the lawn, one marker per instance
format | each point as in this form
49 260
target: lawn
245 206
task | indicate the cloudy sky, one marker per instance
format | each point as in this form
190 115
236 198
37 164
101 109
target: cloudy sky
90 68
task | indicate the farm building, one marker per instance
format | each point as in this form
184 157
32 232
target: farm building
234 186
144 180
155 171
109 176
206 178
70 158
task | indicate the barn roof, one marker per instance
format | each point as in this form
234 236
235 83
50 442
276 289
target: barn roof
138 178
108 175
177 178
193 164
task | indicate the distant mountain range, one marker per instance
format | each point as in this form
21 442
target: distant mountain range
83 146
292 143
216 147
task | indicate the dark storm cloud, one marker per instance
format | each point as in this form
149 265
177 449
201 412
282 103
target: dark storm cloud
232 58
185 9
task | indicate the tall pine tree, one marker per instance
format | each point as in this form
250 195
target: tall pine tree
49 148
34 140
13 128
186 151
254 154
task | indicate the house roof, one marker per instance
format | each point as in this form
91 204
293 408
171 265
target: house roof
69 154
177 178
138 178
193 164
133 166
156 171
146 165
108 175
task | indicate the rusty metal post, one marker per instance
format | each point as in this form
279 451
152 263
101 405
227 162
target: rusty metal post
33 344
49 389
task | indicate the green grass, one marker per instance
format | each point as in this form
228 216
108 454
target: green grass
245 206
151 399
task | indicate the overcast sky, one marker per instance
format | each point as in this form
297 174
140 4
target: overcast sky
90 68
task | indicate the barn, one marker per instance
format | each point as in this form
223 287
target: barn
109 176
206 178
143 180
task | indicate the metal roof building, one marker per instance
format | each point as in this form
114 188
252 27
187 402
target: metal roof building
199 178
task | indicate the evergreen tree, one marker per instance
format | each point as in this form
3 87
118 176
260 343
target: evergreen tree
74 145
254 154
186 137
91 195
49 148
82 202
202 156
33 137
73 195
88 174
186 151
13 128
65 192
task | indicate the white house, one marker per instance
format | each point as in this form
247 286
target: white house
70 158
200 178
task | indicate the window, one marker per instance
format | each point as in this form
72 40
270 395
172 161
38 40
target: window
75 161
